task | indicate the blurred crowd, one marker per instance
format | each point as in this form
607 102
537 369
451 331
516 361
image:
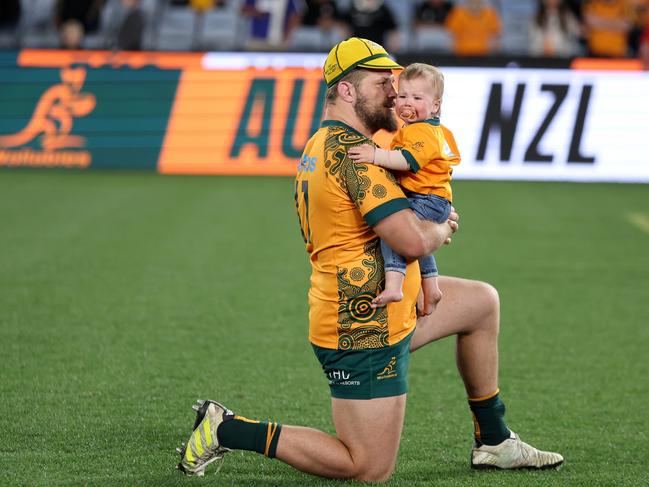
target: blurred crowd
545 28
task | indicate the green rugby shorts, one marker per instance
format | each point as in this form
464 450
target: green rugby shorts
366 373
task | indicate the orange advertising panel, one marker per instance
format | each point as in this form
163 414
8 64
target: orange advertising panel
252 121
179 113
599 64
47 58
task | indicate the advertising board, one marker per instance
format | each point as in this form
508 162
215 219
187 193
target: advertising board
252 113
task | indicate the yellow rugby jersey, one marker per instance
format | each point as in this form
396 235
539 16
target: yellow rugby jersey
430 150
338 201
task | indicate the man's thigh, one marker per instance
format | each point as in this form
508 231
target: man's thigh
371 430
464 306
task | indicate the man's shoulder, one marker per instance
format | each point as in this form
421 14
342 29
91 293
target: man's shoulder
337 138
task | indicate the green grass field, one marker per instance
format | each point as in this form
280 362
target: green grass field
126 296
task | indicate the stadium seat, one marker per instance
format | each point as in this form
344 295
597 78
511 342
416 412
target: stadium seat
37 24
177 29
111 15
435 39
9 38
221 29
403 13
344 5
516 16
152 10
306 38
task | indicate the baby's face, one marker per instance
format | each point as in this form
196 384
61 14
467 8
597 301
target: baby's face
416 101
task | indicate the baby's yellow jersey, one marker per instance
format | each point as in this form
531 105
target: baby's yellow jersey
338 202
430 150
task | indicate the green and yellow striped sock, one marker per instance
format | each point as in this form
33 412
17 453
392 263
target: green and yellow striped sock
241 433
489 419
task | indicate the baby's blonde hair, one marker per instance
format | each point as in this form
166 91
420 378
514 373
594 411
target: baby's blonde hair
432 74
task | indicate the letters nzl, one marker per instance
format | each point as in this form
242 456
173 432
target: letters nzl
539 116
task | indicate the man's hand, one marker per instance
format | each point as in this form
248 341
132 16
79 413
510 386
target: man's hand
362 153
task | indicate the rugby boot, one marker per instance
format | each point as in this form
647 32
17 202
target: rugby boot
203 446
513 454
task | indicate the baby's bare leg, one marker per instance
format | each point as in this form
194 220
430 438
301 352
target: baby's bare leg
393 289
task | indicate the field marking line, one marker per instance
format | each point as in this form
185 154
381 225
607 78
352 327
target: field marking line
639 220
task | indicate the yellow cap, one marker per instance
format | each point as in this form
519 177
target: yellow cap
355 53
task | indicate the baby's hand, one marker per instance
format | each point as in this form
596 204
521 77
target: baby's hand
362 153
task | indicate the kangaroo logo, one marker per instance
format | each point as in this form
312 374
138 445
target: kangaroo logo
54 115
388 372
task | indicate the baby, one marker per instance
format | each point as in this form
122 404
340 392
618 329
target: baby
423 152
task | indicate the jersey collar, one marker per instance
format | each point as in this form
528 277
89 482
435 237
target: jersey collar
431 121
338 123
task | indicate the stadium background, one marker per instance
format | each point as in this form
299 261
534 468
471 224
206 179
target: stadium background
125 294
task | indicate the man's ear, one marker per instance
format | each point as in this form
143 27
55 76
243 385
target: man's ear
346 91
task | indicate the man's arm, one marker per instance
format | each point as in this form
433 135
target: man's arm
411 237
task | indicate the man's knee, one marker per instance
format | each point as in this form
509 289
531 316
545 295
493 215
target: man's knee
374 473
490 301
491 296
368 470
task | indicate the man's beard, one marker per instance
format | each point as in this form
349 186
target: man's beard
374 117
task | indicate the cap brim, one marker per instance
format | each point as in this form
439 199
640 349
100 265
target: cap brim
380 63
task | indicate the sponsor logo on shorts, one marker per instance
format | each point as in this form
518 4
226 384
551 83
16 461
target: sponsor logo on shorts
388 372
341 378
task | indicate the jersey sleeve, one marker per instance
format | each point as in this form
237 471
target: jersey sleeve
374 190
418 144
451 152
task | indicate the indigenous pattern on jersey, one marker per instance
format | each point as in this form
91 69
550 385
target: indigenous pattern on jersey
430 150
338 201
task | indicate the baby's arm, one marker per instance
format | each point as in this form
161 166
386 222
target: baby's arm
390 159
